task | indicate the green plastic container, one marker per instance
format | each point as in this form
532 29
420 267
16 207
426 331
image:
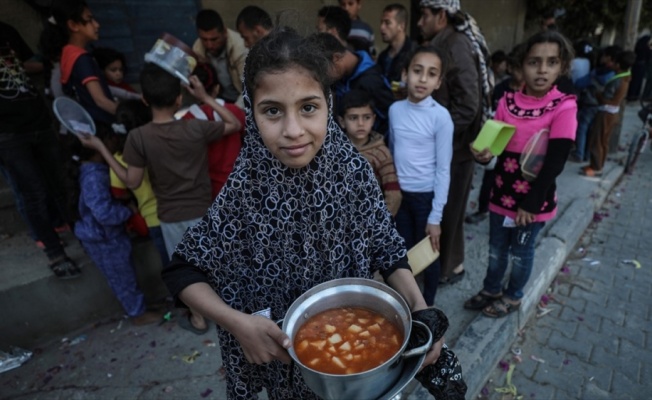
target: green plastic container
494 135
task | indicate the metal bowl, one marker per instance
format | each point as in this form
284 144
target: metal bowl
354 292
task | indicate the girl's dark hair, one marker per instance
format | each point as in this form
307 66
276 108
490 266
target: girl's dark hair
431 50
566 52
207 75
106 55
79 154
131 114
281 50
55 34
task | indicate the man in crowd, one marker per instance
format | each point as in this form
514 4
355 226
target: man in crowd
393 31
225 50
253 23
462 92
361 36
336 21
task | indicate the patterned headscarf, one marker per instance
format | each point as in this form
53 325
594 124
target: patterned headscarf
470 28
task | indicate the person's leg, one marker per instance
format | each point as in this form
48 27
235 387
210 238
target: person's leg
584 118
421 207
499 242
596 145
485 191
405 221
20 163
522 250
172 235
452 223
18 200
156 234
113 258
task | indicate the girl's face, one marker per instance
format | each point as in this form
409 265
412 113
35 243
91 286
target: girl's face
88 28
292 114
423 76
115 71
541 68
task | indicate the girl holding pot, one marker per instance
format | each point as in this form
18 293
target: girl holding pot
300 208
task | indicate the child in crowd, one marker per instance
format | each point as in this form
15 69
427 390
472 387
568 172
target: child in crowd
69 30
588 104
421 139
610 99
221 153
130 115
358 120
113 65
301 208
519 206
101 231
513 83
175 155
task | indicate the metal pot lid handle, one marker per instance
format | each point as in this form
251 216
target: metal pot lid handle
422 349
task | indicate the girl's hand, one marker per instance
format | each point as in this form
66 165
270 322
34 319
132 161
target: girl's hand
433 354
435 233
196 89
90 141
262 341
523 217
483 156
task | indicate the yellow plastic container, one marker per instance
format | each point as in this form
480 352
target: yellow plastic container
494 135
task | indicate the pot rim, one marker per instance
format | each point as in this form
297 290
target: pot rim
341 282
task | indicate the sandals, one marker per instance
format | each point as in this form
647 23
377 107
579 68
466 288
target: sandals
500 308
65 268
184 323
481 301
588 171
452 279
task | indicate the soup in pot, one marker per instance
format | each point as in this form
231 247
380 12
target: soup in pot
346 340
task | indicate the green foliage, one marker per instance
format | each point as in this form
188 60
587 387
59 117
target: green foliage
583 17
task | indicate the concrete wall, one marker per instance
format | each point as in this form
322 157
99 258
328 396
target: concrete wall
23 18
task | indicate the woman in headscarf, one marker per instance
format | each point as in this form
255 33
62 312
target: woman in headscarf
300 208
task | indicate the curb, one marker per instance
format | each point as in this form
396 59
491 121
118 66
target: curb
486 340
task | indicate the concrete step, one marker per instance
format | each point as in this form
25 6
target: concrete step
38 307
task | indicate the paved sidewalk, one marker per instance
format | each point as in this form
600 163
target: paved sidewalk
595 340
112 359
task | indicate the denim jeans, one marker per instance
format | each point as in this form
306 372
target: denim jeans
585 118
519 243
156 234
33 160
411 221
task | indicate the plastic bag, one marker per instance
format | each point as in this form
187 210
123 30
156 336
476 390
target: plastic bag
14 358
534 154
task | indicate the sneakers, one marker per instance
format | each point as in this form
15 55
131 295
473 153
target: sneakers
476 217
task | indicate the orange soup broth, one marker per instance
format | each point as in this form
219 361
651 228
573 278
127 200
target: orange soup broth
346 340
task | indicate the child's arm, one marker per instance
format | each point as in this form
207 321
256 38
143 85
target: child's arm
95 90
231 123
389 180
131 176
105 209
618 96
442 175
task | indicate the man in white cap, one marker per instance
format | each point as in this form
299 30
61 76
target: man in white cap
463 92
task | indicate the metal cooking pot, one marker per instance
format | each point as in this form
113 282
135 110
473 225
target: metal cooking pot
355 292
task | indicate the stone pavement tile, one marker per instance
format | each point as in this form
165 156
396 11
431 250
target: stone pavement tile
632 335
625 388
569 383
570 315
597 374
608 342
617 316
576 304
632 352
567 322
637 319
598 294
576 346
591 391
528 388
617 363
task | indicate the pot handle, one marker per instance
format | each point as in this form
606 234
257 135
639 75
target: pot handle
279 323
423 349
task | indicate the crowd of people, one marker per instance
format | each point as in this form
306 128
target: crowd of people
301 160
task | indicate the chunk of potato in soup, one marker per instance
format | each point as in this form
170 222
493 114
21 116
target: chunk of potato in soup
346 340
